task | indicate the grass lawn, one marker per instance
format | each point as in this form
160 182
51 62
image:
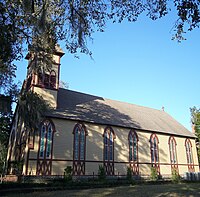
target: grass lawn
168 190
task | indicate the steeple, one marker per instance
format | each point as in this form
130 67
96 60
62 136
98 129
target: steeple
46 82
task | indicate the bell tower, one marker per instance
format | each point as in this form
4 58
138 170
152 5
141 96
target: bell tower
46 83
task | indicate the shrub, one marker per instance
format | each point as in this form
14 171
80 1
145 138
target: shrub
101 173
17 167
175 176
68 173
129 174
154 174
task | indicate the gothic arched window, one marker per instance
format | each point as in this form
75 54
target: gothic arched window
46 140
188 148
108 144
133 152
154 152
154 148
79 142
44 162
79 151
133 146
53 79
108 152
172 150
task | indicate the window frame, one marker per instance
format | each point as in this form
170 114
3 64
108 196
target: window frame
154 149
79 145
44 142
47 80
134 149
108 144
172 150
189 155
52 79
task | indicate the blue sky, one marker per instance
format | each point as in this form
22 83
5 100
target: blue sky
140 64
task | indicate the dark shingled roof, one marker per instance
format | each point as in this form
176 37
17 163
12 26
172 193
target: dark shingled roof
84 107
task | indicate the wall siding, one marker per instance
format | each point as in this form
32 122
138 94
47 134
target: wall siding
63 150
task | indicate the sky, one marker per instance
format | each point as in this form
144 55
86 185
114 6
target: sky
138 63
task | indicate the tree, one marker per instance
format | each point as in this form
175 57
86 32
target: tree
31 107
195 119
42 23
6 116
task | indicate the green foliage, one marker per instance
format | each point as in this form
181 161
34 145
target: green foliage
195 119
3 153
5 126
175 176
75 21
17 167
32 107
129 174
41 24
101 173
154 174
68 173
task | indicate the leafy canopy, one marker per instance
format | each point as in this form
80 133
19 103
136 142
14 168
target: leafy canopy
42 23
195 119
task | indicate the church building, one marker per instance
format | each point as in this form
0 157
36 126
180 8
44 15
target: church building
86 131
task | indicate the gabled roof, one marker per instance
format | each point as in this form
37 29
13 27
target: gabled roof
84 107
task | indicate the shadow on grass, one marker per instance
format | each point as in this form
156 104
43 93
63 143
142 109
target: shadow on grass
151 190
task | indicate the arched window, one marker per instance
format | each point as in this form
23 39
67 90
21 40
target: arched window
79 152
154 148
133 152
173 154
172 150
53 79
40 79
46 80
133 146
44 162
188 148
79 142
46 138
108 154
108 144
154 152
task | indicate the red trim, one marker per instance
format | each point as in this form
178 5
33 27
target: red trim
132 163
155 164
47 81
174 166
101 161
109 164
44 165
189 155
79 164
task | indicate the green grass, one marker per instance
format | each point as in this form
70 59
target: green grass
153 190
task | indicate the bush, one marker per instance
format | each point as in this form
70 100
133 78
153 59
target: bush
17 167
129 174
175 176
101 173
154 174
68 173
